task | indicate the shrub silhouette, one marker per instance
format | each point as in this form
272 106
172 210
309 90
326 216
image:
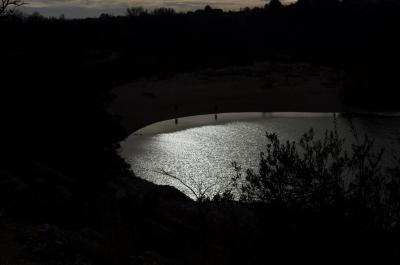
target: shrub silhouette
317 174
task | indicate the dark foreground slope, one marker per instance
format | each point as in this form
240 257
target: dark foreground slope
130 221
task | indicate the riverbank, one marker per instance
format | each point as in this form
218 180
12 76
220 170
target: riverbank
262 87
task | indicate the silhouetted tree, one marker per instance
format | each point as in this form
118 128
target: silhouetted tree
135 11
208 10
163 11
317 3
36 16
274 4
9 6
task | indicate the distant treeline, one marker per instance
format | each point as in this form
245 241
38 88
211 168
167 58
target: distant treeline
57 73
355 34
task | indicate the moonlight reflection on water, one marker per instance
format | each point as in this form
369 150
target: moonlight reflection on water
200 150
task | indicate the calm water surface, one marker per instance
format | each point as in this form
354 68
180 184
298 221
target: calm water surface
200 149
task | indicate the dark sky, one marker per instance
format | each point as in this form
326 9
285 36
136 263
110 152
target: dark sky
85 8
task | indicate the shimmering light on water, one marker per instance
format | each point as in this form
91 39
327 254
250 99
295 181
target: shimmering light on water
200 150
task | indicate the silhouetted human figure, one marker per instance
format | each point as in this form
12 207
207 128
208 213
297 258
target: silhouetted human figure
176 107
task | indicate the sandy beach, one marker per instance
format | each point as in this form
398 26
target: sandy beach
262 87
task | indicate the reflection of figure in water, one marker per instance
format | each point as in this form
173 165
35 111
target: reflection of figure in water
176 113
215 112
264 114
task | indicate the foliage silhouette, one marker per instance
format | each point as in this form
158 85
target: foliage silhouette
317 174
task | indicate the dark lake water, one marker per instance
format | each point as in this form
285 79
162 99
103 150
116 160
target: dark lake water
200 149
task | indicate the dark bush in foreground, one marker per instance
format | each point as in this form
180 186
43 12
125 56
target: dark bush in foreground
319 173
323 200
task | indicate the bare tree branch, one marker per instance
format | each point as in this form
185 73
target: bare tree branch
163 172
8 7
201 189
